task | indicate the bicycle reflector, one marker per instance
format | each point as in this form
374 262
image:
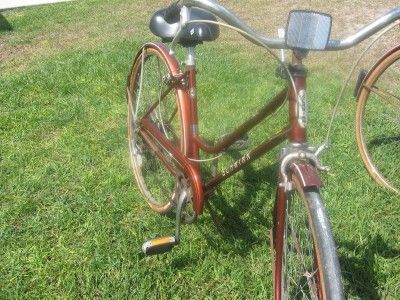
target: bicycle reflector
309 30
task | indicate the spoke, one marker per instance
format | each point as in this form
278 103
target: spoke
160 115
158 152
389 98
307 274
156 102
173 114
394 119
132 112
140 85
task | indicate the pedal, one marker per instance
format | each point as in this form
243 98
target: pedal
159 245
240 144
165 244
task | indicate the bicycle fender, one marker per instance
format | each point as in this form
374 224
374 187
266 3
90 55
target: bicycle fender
307 174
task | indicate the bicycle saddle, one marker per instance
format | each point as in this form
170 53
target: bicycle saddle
195 33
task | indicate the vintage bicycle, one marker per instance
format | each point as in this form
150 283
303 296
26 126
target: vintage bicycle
166 146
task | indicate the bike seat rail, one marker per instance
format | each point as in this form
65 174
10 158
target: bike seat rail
178 30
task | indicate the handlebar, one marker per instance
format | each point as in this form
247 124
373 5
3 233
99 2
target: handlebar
365 32
279 43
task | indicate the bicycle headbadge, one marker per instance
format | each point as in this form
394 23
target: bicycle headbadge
308 30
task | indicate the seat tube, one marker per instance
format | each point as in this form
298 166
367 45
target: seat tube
191 87
298 105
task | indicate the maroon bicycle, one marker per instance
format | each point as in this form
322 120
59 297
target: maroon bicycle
166 146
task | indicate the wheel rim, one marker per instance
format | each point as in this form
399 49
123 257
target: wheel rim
150 96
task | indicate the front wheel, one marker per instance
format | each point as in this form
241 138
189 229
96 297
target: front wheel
306 262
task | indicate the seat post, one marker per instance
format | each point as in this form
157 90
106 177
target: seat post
190 62
191 56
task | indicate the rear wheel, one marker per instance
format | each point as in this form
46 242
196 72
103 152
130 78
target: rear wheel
152 95
378 121
306 263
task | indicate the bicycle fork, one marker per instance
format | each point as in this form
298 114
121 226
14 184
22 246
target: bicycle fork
301 161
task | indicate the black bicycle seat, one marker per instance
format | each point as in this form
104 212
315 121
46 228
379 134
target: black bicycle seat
194 34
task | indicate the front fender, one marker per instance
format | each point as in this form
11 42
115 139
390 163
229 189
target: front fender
307 174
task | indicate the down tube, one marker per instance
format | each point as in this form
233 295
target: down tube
247 159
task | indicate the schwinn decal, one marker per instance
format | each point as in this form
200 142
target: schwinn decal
236 164
302 108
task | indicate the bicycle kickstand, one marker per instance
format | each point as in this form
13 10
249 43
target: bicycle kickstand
165 244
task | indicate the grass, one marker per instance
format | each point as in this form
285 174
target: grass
71 217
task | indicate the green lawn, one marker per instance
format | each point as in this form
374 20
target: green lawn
71 217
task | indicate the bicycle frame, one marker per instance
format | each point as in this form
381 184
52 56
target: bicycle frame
188 160
298 181
295 131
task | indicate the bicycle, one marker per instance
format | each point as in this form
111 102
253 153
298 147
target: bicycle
378 120
165 143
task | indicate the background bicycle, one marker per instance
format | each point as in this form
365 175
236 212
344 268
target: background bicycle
378 119
63 236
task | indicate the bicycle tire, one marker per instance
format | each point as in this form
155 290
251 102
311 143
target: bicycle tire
306 265
378 121
151 95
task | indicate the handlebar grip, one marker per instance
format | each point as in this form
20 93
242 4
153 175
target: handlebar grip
172 13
